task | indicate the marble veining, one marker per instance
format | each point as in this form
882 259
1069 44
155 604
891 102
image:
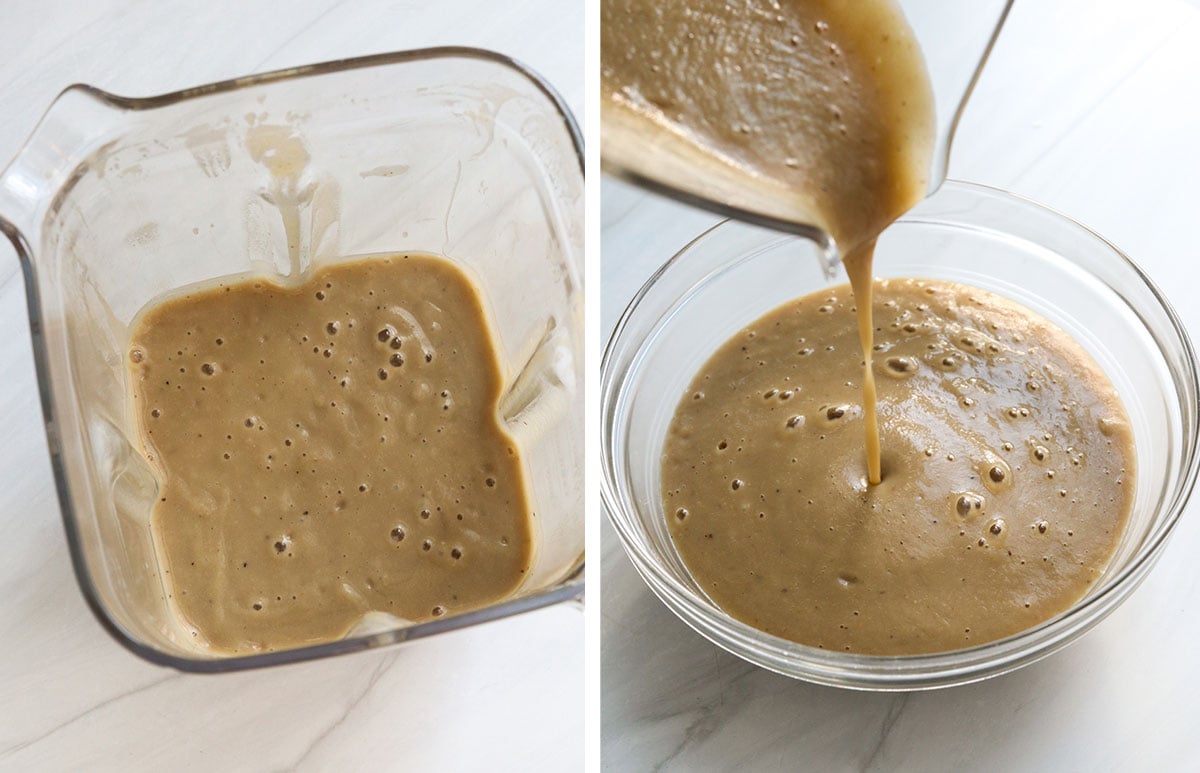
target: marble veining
382 666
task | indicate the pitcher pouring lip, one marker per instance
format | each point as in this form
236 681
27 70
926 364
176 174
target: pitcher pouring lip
73 132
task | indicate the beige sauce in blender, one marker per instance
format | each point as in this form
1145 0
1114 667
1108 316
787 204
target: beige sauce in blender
1006 472
328 450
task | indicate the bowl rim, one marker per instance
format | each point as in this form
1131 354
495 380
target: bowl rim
570 586
891 672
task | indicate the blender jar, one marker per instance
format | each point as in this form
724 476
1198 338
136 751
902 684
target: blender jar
114 201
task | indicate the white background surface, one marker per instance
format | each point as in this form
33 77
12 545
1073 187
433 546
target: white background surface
504 696
1092 108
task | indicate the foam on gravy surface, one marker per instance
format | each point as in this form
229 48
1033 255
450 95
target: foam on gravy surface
328 450
1008 472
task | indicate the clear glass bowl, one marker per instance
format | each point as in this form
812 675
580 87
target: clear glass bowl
114 201
735 272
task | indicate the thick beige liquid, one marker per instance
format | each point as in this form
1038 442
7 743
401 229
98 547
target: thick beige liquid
816 111
997 470
328 450
1009 472
813 111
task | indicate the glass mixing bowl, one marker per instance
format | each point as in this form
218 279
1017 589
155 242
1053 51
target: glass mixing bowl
114 201
734 273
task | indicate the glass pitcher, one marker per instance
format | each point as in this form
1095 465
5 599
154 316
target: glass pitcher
114 201
955 39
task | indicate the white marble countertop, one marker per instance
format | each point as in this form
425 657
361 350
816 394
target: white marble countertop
503 696
1091 108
